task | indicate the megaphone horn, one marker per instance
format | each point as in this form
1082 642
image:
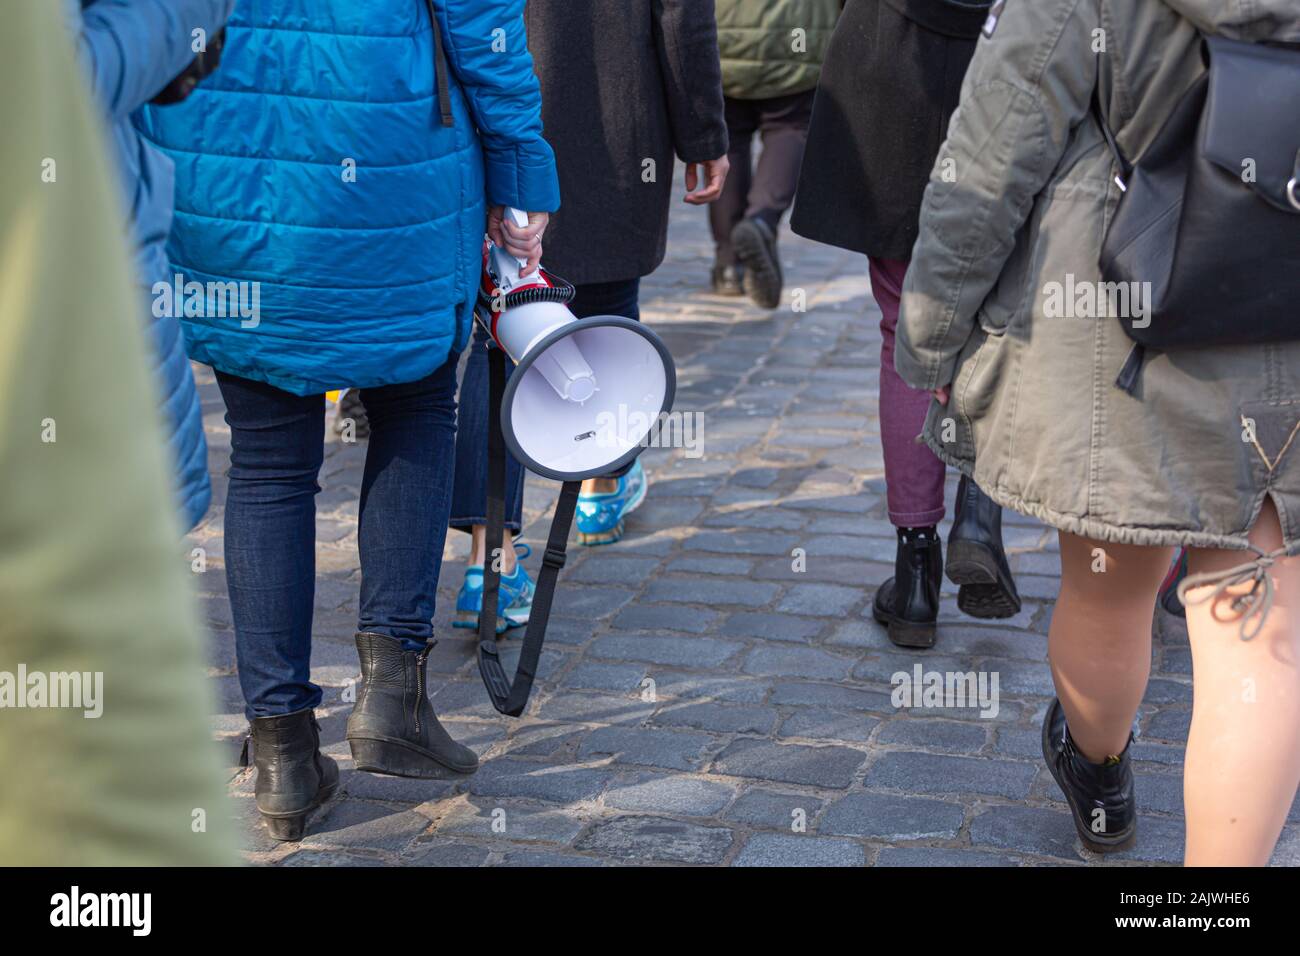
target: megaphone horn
586 393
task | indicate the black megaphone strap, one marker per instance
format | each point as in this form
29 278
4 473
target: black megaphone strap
511 697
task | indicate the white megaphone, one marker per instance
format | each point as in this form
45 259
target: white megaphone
586 394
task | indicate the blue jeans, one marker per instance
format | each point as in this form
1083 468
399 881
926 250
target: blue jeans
277 446
469 498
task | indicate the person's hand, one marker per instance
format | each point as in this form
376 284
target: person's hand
522 242
941 394
715 177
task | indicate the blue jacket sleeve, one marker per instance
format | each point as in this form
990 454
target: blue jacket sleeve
131 49
487 49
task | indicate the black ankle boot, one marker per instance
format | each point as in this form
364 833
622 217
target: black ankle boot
1100 796
293 776
908 603
976 561
393 728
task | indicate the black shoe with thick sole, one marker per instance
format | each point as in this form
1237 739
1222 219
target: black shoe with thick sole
1101 796
907 605
293 776
755 245
727 280
977 563
393 728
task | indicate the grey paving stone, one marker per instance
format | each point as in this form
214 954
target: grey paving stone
1027 829
778 849
820 599
836 696
315 858
769 808
829 767
617 569
644 838
489 819
719 718
891 819
694 590
773 660
926 856
710 564
1171 724
771 627
945 736
670 749
650 617
358 823
938 774
828 725
575 707
698 652
743 543
447 854
526 779
692 686
589 603
592 675
549 860
673 794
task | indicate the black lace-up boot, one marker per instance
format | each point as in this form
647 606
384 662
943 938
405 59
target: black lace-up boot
393 728
293 776
908 603
976 561
1100 795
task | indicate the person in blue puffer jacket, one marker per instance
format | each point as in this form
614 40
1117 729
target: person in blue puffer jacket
336 176
130 50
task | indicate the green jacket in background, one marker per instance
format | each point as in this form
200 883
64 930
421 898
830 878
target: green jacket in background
773 47
93 579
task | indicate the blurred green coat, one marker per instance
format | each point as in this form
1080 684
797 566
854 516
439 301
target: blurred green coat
92 574
773 47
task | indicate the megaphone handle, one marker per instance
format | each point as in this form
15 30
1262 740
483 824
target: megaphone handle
521 220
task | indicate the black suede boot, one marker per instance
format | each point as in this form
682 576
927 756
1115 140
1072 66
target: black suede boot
393 728
755 244
908 603
1101 796
976 561
727 280
293 776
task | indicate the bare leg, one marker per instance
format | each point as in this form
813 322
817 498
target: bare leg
478 548
599 486
1243 753
1100 640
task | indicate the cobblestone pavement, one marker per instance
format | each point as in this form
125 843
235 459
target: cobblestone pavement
702 701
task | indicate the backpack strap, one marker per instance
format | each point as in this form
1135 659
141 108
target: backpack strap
440 68
1125 168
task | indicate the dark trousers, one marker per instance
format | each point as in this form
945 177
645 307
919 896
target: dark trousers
766 191
469 499
276 449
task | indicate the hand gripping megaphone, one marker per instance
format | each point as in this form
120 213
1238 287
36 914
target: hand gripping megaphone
584 399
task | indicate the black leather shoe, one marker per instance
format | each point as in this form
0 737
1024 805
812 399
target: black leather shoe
908 603
755 245
728 280
393 728
293 776
1100 796
976 561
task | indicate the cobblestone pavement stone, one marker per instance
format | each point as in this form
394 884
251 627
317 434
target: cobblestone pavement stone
701 700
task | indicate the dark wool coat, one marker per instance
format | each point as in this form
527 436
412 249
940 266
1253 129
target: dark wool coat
890 82
624 83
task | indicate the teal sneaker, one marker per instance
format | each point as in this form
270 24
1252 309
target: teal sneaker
514 600
600 517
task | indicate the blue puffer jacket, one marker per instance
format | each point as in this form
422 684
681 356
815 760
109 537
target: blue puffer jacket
314 163
130 50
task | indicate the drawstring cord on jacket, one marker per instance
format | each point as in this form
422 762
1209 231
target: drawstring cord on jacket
1254 604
